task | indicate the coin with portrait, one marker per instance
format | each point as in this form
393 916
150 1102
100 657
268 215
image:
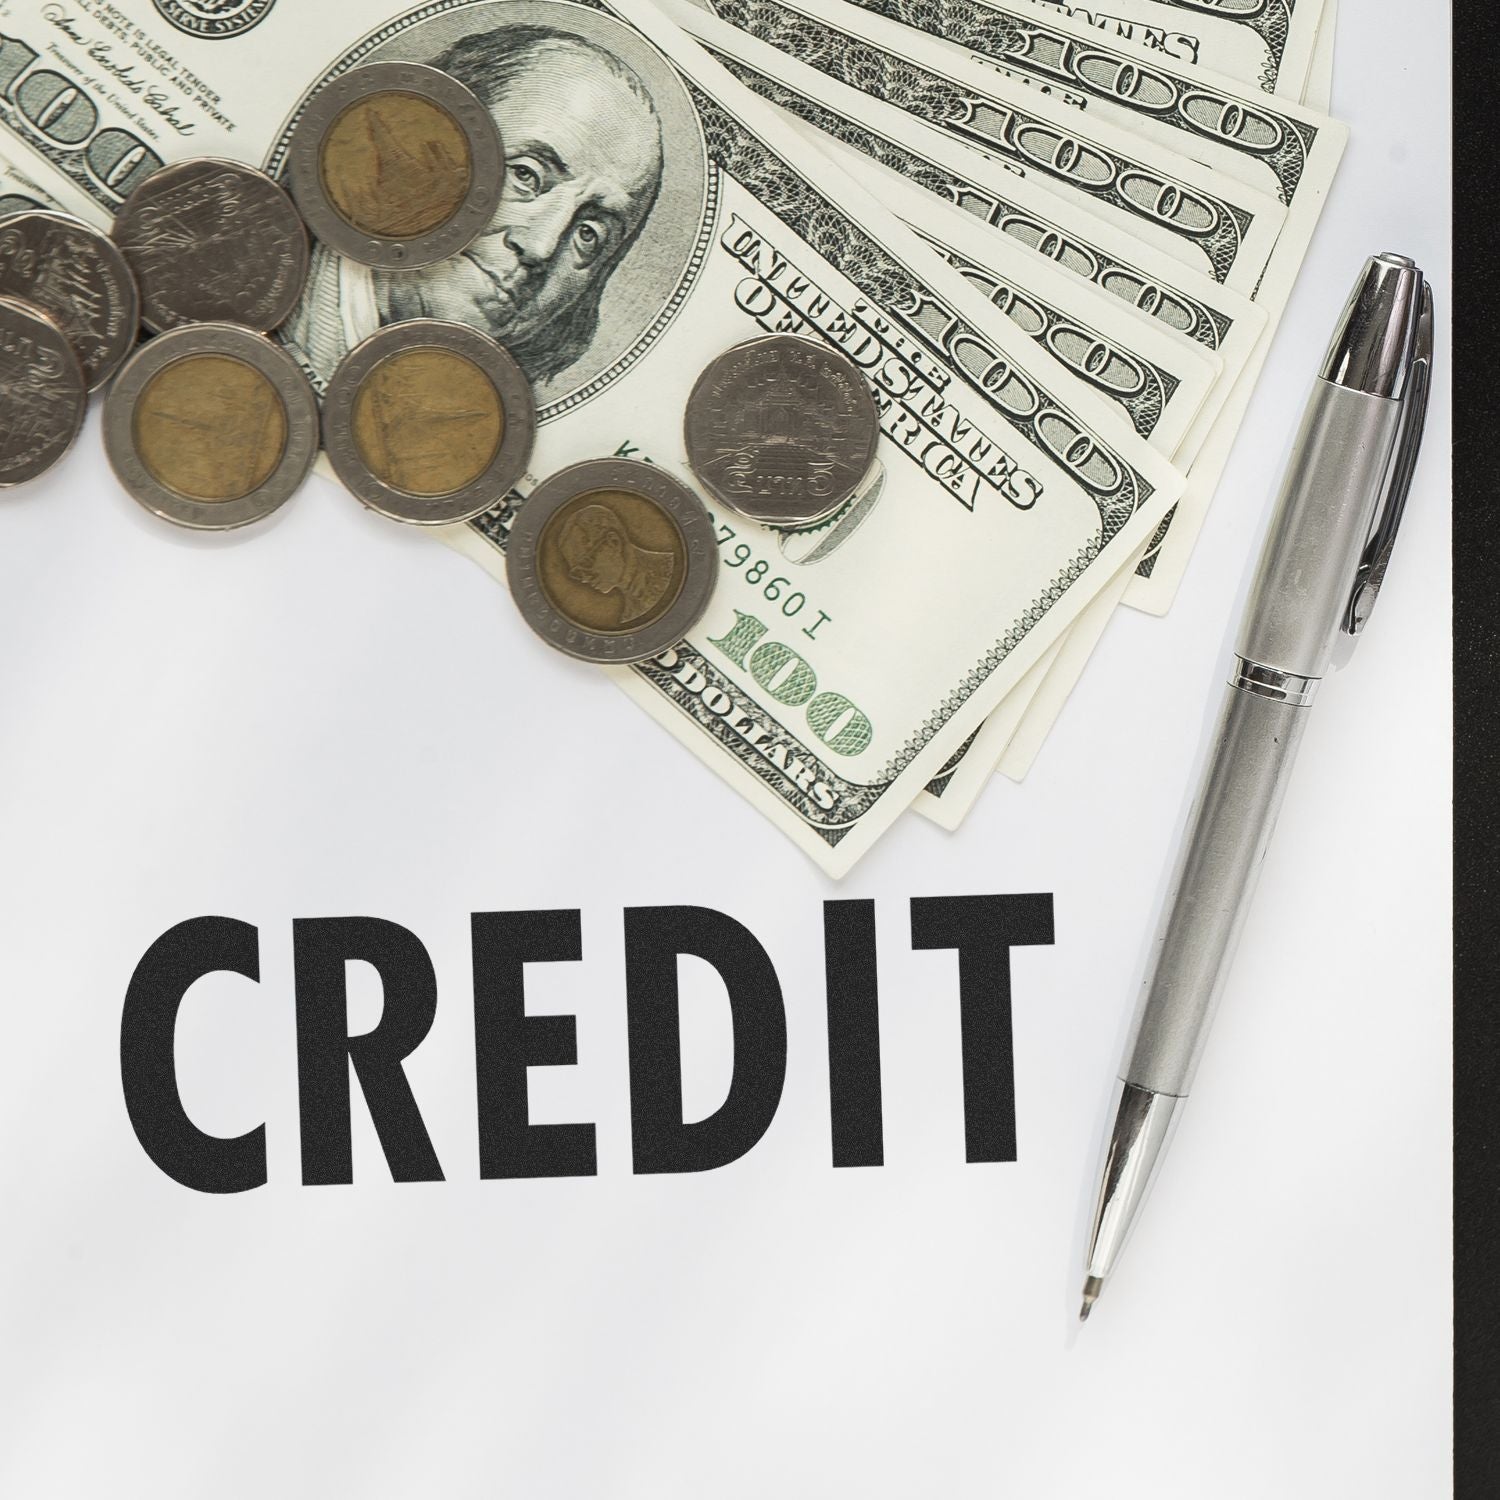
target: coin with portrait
43 394
429 422
611 560
211 426
213 241
782 428
79 279
396 165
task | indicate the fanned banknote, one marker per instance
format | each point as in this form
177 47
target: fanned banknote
1204 218
1191 307
1132 359
1276 145
1273 145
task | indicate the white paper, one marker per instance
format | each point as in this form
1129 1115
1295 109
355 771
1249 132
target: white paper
329 716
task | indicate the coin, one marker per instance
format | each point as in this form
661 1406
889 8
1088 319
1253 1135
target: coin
213 241
211 426
396 165
611 560
43 394
429 422
79 279
783 429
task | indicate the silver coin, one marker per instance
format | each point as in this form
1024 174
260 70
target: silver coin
211 426
396 165
429 422
213 241
782 429
79 279
43 394
611 560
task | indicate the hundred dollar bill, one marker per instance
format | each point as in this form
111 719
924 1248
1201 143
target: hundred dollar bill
952 793
1016 757
1206 219
686 677
1317 93
1281 146
1057 235
1276 145
1009 739
1306 147
654 213
1190 304
1267 43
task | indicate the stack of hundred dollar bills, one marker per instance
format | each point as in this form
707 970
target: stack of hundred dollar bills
1058 240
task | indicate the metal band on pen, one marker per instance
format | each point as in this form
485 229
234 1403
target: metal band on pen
1272 683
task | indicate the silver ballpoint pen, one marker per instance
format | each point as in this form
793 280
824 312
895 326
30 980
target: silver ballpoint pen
1323 562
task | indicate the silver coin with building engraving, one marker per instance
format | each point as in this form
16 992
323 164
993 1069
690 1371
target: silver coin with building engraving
213 241
43 394
79 279
783 429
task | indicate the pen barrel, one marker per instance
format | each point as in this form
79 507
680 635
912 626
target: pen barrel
1231 824
1319 530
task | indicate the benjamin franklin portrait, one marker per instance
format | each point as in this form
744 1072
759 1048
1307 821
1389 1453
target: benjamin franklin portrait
594 217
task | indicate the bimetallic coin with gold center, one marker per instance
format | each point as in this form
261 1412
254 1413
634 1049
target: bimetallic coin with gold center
429 422
211 426
611 560
396 165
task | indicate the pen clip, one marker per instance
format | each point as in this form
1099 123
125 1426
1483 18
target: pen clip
1377 554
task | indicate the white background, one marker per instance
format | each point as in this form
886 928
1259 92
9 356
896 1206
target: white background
329 715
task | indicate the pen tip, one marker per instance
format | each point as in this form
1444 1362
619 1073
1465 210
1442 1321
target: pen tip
1091 1289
